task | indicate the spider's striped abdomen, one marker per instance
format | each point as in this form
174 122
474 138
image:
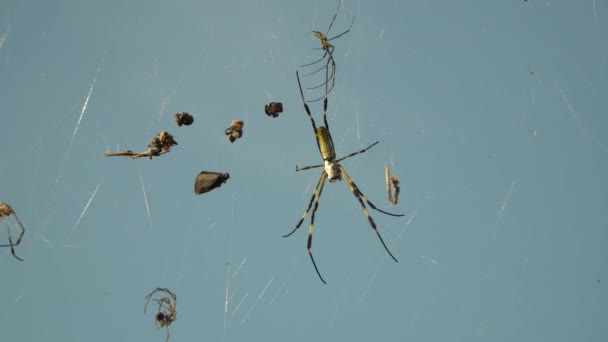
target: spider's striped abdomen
326 146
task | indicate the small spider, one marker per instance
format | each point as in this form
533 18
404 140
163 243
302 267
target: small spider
6 211
207 181
166 313
392 186
328 48
235 130
183 118
273 109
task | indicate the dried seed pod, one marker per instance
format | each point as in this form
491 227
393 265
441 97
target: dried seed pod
235 130
208 180
273 109
183 118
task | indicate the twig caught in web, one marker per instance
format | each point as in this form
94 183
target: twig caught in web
159 145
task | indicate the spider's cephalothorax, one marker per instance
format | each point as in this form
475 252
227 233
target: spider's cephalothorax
333 171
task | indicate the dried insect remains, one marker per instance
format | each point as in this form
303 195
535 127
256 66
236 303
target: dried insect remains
159 145
183 118
166 313
392 186
273 109
235 130
5 212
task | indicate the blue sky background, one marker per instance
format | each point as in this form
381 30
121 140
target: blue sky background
491 113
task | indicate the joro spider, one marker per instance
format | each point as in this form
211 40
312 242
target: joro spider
328 52
333 171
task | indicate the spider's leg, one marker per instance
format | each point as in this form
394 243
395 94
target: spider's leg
312 198
358 152
343 33
371 205
328 78
334 18
10 241
360 197
22 229
312 121
308 167
167 339
316 71
315 62
311 228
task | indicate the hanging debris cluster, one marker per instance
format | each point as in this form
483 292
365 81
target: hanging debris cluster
392 186
183 118
273 109
235 130
159 145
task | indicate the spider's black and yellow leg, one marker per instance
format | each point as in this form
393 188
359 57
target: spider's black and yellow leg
312 198
308 167
314 126
360 197
311 228
358 152
371 205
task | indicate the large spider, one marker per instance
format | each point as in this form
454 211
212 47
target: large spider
6 211
328 52
334 172
166 313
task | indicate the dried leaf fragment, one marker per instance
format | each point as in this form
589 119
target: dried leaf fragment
209 180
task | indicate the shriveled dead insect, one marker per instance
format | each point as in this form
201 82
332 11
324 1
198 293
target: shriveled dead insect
159 145
166 313
235 130
5 212
392 186
208 180
183 118
273 109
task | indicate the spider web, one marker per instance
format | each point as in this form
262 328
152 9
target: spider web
490 115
